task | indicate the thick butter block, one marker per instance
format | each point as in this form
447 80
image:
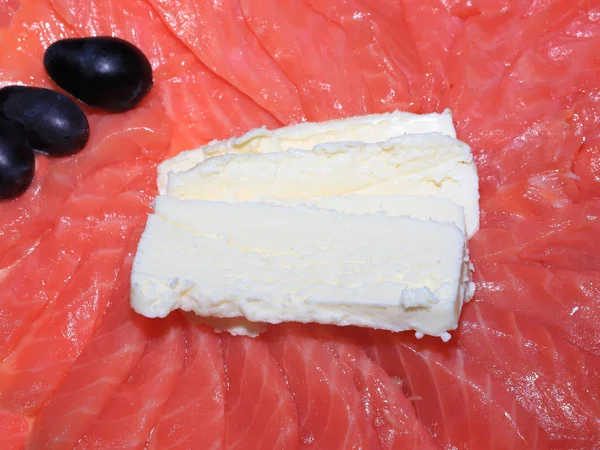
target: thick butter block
369 128
418 207
273 264
419 164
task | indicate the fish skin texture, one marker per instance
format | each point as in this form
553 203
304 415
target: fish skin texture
193 415
328 416
127 420
447 387
259 408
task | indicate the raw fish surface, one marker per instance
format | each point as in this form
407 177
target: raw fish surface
78 369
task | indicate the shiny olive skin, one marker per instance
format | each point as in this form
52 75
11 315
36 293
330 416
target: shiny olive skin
103 72
17 161
51 122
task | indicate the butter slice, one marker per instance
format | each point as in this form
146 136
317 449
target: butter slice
368 128
438 209
273 264
427 207
420 164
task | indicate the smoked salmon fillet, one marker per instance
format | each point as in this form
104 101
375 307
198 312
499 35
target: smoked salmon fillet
79 369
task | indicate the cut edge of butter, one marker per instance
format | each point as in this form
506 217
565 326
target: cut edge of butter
149 292
411 164
421 207
369 128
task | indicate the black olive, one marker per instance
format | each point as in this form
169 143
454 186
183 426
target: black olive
104 72
17 161
51 122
